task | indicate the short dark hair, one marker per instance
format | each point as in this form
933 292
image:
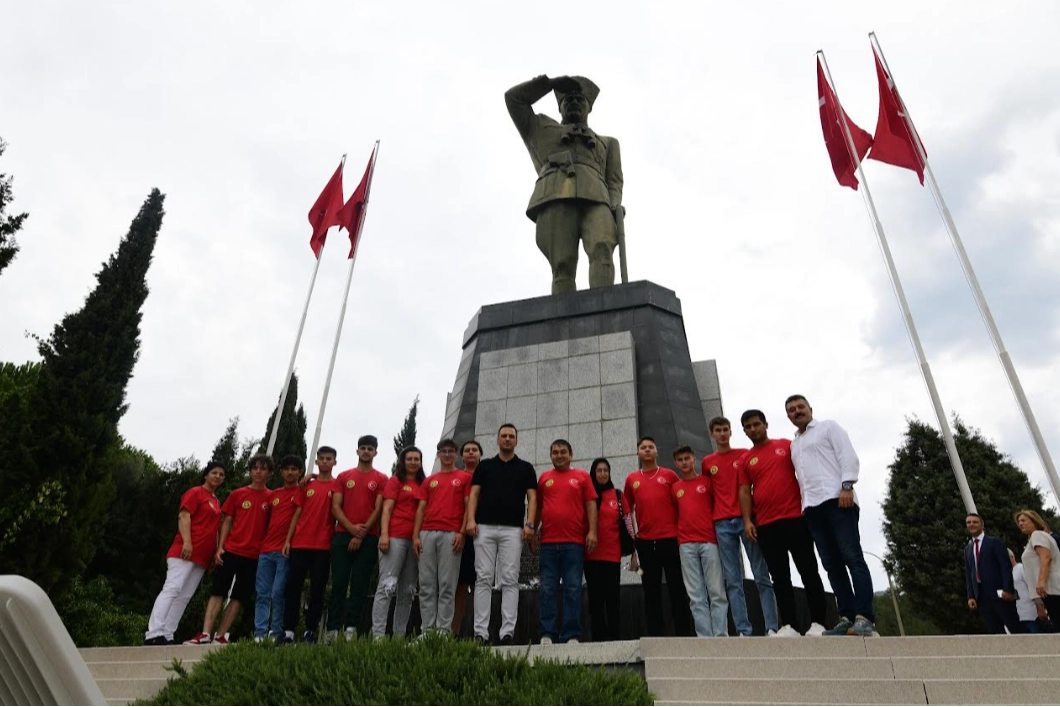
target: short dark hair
684 449
793 398
645 438
368 441
471 441
561 442
508 424
292 460
402 472
262 459
752 413
977 516
210 466
718 422
446 443
327 450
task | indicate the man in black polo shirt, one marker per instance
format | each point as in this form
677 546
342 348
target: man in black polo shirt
499 525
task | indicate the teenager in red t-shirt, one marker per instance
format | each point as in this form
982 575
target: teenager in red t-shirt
471 453
568 511
438 538
723 469
357 505
271 583
398 569
187 558
246 515
651 503
700 560
309 548
603 565
768 486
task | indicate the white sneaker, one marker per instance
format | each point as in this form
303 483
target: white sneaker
546 641
815 629
351 633
771 633
572 642
786 631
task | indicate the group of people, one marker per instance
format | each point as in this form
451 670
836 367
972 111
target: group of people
433 537
1014 596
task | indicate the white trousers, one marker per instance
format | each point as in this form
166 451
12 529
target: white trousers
182 579
498 549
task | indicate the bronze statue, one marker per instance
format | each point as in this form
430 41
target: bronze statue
578 195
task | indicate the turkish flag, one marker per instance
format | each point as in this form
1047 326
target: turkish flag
325 211
893 142
351 216
843 163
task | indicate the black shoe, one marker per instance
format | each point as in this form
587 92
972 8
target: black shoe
156 641
507 641
284 640
482 641
309 637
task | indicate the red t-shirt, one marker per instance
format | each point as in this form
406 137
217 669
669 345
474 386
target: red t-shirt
315 525
695 511
563 495
444 492
649 495
404 495
359 490
205 512
284 502
774 486
249 510
608 548
724 473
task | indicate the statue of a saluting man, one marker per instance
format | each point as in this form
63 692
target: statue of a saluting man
578 195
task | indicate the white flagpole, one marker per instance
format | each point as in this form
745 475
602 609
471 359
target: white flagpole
899 292
977 291
294 352
342 312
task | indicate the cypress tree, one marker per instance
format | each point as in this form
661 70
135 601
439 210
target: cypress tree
407 436
79 398
290 438
10 224
924 518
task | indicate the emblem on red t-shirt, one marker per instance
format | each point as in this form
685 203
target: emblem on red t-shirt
754 460
713 470
310 493
246 505
350 483
701 488
276 501
550 482
456 482
406 488
780 451
613 503
573 482
434 484
660 479
636 484
680 493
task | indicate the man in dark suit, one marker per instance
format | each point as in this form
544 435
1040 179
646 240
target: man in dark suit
988 574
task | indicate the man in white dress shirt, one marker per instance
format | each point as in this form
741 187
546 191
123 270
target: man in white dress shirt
827 468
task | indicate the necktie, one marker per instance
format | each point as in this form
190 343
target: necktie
977 577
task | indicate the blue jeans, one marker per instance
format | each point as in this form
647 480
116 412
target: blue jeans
730 534
270 586
562 560
835 533
705 583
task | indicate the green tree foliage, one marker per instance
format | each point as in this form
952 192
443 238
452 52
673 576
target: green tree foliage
141 525
434 671
93 617
887 622
70 431
234 454
924 518
10 224
290 438
407 436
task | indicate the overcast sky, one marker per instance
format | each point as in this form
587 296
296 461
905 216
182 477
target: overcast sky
240 111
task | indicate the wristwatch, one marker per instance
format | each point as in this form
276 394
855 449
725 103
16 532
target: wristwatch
528 525
848 485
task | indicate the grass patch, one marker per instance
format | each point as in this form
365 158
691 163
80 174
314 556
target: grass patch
437 670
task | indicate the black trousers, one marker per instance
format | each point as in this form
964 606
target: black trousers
791 536
998 613
602 583
656 557
316 564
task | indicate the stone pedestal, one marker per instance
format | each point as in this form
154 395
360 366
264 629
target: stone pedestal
598 368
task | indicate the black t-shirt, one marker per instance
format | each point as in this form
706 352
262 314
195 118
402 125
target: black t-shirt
503 485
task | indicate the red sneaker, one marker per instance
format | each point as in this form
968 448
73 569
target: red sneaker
200 640
220 640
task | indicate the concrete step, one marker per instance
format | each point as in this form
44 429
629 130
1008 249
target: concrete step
136 669
145 653
772 668
984 667
803 691
128 689
1024 644
1039 691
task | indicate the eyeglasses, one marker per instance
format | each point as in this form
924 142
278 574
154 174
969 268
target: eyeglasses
447 451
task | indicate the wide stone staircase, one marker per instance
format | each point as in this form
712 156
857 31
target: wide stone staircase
138 672
847 670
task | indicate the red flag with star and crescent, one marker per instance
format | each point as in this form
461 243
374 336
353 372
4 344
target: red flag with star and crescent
843 163
325 210
351 216
893 142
